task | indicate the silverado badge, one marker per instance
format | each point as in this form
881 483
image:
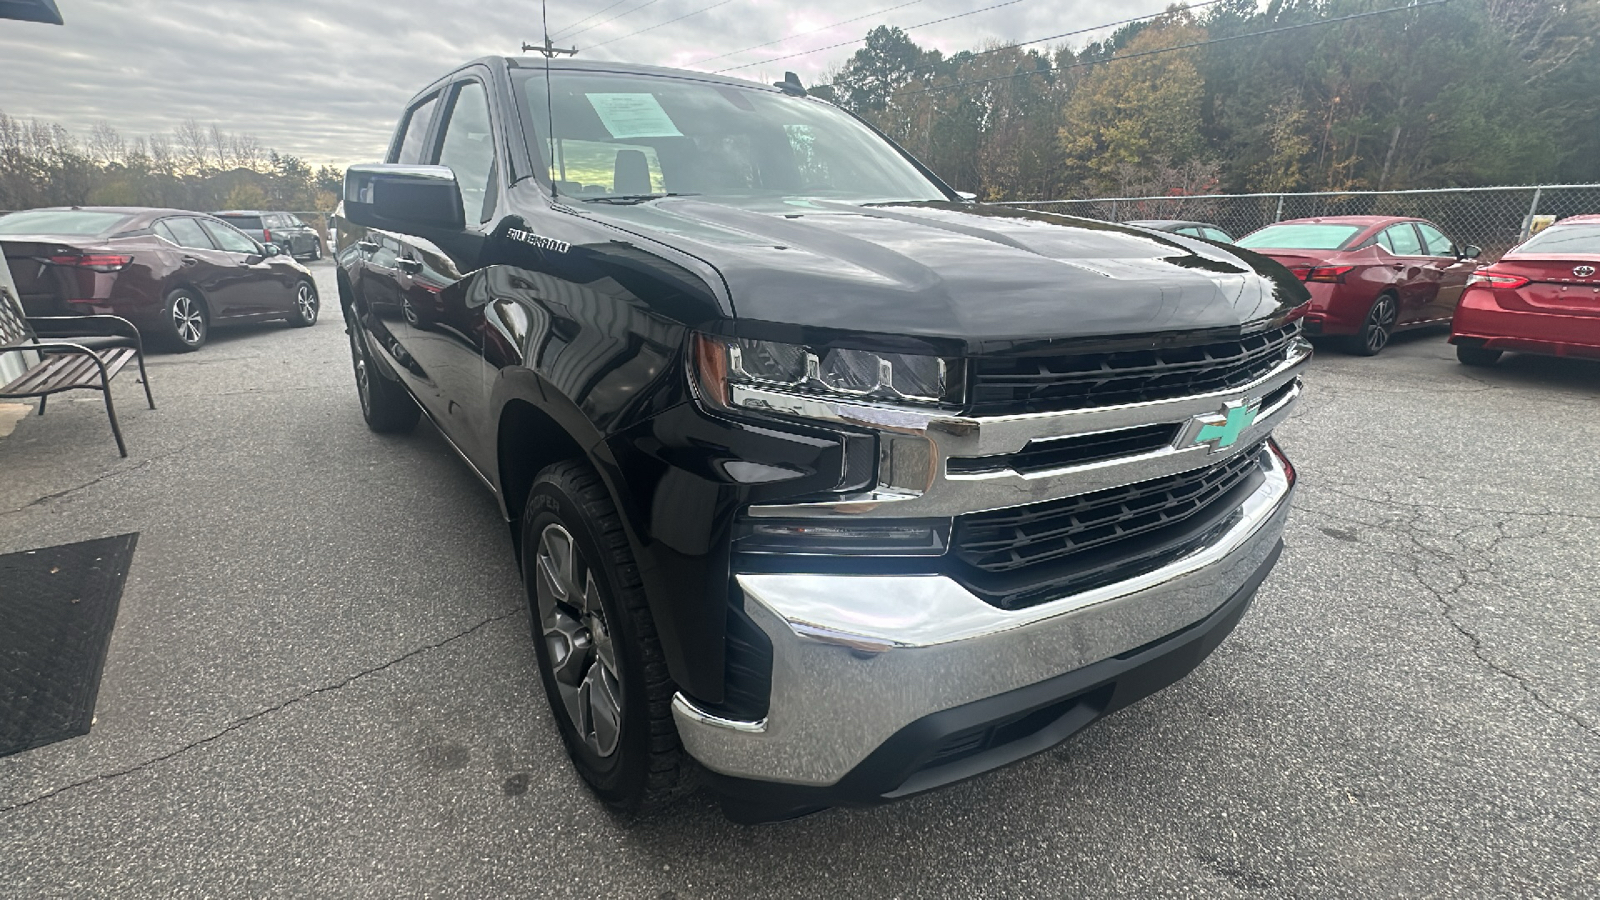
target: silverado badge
1222 429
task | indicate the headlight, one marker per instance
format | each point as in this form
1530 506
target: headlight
725 365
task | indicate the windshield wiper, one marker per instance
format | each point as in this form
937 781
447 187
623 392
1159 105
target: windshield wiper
631 199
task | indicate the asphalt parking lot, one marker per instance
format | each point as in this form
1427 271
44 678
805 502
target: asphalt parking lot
321 682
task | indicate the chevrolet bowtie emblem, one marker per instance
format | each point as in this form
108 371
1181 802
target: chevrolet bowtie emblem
1222 429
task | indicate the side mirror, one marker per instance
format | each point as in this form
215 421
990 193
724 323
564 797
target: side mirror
1471 251
967 196
407 199
272 250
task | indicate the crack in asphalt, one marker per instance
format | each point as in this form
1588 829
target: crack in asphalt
259 714
1411 563
116 473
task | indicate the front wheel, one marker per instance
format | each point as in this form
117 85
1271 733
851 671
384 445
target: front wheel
306 305
316 250
602 666
1378 328
1476 356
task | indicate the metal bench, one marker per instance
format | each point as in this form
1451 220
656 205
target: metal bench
56 364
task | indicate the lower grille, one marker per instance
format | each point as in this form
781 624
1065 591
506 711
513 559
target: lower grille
1019 556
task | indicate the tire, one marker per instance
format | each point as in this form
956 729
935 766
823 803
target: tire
385 406
604 672
306 305
185 321
1378 328
1476 356
316 250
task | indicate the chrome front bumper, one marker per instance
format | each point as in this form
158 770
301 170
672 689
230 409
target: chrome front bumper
856 658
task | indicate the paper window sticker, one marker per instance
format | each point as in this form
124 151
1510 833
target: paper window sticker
633 115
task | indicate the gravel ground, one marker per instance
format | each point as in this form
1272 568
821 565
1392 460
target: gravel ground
321 682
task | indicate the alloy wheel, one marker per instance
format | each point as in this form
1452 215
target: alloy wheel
1380 322
306 301
187 319
572 622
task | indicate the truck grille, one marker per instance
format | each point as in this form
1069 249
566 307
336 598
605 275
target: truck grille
1024 384
1032 553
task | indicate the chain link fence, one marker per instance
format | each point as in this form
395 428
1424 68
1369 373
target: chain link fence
1494 218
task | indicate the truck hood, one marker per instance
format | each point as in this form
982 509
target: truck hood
973 272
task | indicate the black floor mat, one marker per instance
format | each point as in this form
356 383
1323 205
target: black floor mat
57 607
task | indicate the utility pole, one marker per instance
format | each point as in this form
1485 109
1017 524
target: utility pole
547 49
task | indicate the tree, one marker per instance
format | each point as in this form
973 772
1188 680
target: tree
1130 111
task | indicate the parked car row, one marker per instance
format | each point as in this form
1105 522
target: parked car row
288 231
175 274
1373 276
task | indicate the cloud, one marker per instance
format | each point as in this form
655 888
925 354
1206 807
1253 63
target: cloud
326 81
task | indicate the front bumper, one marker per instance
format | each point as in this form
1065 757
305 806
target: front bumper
860 660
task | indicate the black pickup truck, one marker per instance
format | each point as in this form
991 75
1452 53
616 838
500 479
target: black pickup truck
829 485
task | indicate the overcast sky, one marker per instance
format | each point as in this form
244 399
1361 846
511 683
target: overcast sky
325 80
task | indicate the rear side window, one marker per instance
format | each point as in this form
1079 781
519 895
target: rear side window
415 131
1434 243
251 222
1401 240
468 149
185 232
61 221
1212 234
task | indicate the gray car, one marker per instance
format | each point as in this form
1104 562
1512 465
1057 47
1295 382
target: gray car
293 236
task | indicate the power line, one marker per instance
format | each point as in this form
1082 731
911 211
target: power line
791 37
971 12
1189 46
1066 34
588 17
667 22
627 12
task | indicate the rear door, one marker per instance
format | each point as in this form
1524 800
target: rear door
1451 272
204 266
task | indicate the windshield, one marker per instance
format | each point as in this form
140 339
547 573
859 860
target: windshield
61 221
1302 237
627 135
1578 238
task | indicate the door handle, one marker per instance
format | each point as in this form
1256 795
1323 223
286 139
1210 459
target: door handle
409 266
190 261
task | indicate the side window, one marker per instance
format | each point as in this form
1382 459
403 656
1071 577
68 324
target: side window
1434 241
185 232
229 238
415 131
468 149
1215 235
1402 240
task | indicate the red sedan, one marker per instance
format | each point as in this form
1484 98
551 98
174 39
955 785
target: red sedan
1541 297
1370 276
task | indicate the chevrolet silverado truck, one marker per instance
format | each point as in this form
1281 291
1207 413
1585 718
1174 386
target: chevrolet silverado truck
828 485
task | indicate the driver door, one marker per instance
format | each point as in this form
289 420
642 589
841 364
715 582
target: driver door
254 287
1450 270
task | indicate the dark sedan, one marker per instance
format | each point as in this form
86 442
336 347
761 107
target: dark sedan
174 274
